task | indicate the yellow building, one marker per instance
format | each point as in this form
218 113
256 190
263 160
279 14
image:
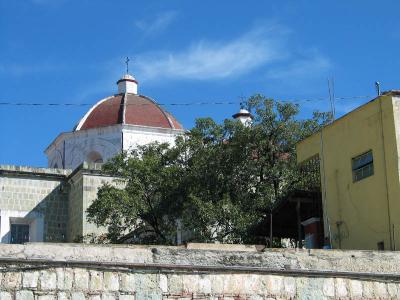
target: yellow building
359 168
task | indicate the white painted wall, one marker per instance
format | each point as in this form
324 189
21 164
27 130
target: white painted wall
107 141
35 221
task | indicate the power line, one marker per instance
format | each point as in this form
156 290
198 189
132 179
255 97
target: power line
12 103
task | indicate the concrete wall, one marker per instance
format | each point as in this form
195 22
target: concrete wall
34 196
358 215
77 272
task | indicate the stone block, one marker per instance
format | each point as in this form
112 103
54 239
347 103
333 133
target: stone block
96 281
175 284
126 297
77 296
12 280
81 279
380 290
149 295
30 279
328 287
341 288
163 283
289 284
255 297
147 282
368 289
24 295
111 281
356 289
63 296
46 297
95 297
253 284
204 285
48 280
109 296
5 296
217 283
68 275
392 290
127 282
234 283
274 284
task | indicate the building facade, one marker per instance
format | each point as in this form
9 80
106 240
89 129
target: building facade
49 204
359 171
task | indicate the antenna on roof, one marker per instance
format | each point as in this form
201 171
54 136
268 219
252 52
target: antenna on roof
127 64
331 90
378 87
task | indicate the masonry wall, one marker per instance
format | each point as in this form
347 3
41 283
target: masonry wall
71 271
34 196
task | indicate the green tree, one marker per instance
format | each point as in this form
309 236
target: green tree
219 180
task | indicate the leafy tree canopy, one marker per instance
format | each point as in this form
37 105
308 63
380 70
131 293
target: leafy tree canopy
218 182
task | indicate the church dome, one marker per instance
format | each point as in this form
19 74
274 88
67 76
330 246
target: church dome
127 107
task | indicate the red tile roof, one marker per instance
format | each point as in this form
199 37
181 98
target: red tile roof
128 109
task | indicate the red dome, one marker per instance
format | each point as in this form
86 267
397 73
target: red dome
128 109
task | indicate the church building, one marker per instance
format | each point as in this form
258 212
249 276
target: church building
49 204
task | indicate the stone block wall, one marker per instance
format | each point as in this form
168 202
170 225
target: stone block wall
37 191
77 272
84 283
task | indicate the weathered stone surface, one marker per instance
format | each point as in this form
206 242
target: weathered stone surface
30 279
127 282
46 297
392 290
12 280
5 296
368 289
96 281
175 283
109 296
126 297
329 287
77 296
48 280
24 295
111 281
380 290
67 283
163 283
81 279
63 296
274 284
204 285
356 289
289 284
341 288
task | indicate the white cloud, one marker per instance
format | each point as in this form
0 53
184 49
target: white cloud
217 60
158 24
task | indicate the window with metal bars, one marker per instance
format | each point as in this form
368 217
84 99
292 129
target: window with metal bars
363 166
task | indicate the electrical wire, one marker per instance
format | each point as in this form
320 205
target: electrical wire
71 104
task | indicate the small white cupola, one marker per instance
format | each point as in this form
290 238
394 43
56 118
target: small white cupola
127 84
244 116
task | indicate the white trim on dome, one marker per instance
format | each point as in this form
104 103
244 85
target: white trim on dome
82 121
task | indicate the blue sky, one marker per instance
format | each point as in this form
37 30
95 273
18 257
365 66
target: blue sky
185 51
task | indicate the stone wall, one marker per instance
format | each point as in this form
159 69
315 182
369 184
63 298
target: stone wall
72 271
28 194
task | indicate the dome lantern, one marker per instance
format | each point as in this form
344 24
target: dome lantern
127 84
